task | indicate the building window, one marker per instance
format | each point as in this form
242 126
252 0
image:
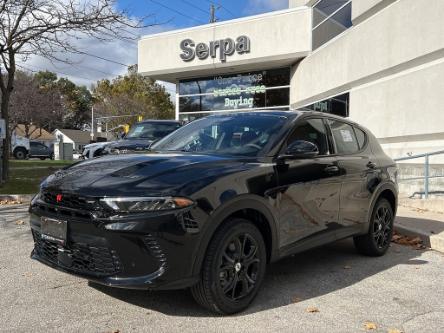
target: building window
268 89
330 18
338 105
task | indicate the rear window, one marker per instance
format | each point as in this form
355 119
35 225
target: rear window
360 135
344 137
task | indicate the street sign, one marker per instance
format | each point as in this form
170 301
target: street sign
2 129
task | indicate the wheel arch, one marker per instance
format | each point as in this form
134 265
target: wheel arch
250 207
387 191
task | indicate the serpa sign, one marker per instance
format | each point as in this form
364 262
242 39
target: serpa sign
222 48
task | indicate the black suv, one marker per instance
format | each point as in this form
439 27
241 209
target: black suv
215 202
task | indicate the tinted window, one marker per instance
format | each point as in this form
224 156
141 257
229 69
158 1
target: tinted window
344 136
261 89
330 18
337 105
312 130
360 135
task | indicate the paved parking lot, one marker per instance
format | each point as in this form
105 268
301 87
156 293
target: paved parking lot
402 291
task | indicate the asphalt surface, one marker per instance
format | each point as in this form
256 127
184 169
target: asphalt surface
403 291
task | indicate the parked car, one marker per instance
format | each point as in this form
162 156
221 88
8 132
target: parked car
20 146
39 150
95 149
216 202
141 136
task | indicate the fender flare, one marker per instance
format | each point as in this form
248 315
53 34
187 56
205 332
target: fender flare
217 217
376 194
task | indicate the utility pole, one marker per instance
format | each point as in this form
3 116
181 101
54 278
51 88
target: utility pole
92 123
213 9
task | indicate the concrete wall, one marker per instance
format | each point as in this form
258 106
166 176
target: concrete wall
363 9
276 38
406 104
298 3
392 64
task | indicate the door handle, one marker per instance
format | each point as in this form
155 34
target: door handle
371 165
331 169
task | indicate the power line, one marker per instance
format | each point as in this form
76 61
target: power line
102 58
86 67
222 6
60 73
176 11
194 6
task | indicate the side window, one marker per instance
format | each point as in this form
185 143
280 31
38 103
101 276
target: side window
312 130
344 136
360 135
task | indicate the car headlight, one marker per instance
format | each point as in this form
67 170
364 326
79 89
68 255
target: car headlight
146 204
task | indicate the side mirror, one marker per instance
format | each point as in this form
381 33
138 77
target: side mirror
300 149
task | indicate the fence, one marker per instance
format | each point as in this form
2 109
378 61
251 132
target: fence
426 177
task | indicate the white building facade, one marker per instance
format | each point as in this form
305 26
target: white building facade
379 62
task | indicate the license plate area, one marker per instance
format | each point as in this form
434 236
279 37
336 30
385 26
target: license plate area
54 230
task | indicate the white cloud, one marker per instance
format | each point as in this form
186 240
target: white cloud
87 70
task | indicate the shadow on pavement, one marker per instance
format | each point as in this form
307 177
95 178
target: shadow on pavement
303 276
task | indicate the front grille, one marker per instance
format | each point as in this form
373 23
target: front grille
69 200
78 257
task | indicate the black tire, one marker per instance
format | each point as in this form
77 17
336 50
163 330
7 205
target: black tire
240 272
20 153
377 241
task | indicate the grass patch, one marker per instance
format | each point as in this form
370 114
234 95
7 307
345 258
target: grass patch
26 176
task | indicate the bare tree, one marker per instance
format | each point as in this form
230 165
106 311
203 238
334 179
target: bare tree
48 28
33 105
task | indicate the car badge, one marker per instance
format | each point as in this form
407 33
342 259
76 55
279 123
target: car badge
59 198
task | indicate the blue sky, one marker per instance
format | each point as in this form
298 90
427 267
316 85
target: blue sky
186 13
166 14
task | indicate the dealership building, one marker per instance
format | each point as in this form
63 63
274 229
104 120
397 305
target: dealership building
378 62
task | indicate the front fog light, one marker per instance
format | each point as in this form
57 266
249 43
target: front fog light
146 204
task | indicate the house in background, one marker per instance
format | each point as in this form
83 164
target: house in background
79 139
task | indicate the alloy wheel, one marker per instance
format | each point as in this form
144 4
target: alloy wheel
382 227
239 266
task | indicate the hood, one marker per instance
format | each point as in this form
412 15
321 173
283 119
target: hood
97 145
143 174
131 144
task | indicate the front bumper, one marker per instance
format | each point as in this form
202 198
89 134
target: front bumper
149 251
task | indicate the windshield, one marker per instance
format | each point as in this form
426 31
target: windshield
151 131
244 135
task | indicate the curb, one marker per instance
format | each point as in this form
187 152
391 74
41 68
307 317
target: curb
433 241
17 197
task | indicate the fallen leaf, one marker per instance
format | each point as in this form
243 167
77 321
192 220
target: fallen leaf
368 325
347 267
406 240
312 309
19 222
10 202
296 300
394 330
